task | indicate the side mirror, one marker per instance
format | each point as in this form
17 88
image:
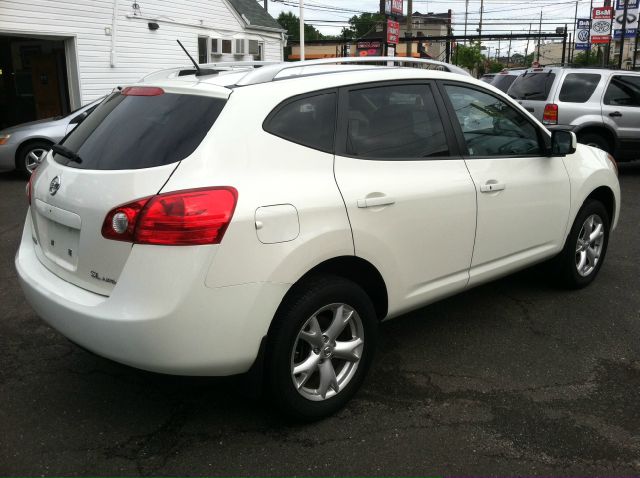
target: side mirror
563 142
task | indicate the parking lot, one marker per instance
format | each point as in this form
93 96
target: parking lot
514 377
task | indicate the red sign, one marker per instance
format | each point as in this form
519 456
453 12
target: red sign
393 7
601 24
393 32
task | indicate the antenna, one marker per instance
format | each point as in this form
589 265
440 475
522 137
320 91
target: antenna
199 71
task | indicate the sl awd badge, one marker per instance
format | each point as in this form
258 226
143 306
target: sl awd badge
54 185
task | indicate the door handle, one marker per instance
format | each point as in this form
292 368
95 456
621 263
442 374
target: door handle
492 187
376 201
615 113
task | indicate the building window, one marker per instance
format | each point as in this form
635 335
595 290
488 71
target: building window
226 46
202 49
255 49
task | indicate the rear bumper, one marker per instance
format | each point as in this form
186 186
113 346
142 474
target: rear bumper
160 316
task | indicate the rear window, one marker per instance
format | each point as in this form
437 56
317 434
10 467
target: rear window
136 132
578 87
503 82
309 121
532 86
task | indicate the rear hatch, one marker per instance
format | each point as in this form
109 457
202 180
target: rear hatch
532 89
128 147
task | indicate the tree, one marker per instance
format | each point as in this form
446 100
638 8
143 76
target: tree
291 23
494 66
361 25
468 56
595 57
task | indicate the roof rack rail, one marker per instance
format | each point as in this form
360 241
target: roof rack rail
218 67
270 73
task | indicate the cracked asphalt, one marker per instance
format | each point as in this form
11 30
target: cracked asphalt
514 377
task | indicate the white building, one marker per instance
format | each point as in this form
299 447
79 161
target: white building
56 55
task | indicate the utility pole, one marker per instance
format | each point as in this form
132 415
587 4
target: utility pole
540 32
635 52
466 14
623 32
301 30
607 3
575 25
409 43
266 5
526 50
590 44
564 45
509 54
480 24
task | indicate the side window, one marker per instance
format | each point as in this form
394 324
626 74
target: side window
396 121
490 126
578 87
623 90
309 121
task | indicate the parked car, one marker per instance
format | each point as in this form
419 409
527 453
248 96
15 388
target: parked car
23 147
229 223
488 77
505 78
601 106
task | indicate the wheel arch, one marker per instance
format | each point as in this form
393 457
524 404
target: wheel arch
600 129
356 269
605 195
26 143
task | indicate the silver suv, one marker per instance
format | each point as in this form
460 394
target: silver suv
601 106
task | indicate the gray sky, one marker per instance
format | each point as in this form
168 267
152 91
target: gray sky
500 16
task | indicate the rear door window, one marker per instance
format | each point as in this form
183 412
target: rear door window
623 90
578 87
532 86
395 122
132 131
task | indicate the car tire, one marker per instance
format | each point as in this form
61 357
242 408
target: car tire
30 155
596 140
306 337
584 252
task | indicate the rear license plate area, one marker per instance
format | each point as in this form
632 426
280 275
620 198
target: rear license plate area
61 244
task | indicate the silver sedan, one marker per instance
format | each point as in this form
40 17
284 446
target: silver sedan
24 146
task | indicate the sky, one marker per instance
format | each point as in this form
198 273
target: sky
500 16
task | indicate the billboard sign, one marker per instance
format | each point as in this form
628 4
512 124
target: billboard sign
583 27
632 19
601 24
393 32
393 7
369 48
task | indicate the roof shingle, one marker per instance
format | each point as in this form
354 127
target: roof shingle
254 12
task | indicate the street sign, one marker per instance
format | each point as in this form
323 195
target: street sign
393 32
601 24
631 26
583 27
393 7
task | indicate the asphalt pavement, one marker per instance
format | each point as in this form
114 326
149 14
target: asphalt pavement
514 377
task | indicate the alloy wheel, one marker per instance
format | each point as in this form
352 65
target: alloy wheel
327 352
589 245
33 158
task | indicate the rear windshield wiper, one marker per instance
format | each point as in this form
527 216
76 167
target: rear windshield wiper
66 152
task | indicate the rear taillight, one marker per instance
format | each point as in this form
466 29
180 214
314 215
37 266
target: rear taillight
181 218
550 115
29 188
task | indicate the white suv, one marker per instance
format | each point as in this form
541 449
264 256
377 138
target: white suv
267 220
